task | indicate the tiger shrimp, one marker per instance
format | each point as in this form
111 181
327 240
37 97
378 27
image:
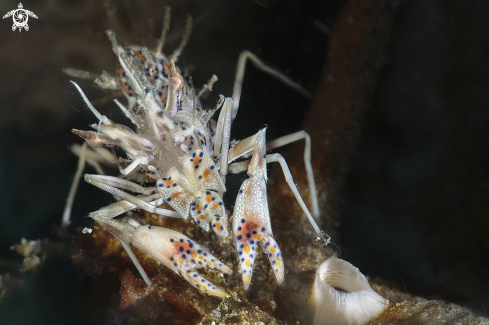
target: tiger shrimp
187 155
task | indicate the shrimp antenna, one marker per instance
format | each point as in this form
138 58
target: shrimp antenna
166 28
102 118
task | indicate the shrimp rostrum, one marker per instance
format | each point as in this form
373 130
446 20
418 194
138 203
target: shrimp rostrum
188 155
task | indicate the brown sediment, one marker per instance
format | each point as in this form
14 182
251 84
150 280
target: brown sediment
409 309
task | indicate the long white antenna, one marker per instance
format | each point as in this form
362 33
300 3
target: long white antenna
102 118
166 27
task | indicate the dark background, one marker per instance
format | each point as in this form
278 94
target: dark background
416 195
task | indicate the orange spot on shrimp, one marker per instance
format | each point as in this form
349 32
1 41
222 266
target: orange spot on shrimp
176 196
125 89
272 249
206 174
215 205
208 198
248 263
246 248
168 183
166 69
248 191
248 227
196 161
121 71
138 55
164 93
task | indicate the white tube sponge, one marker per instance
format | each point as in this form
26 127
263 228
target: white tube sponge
342 295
